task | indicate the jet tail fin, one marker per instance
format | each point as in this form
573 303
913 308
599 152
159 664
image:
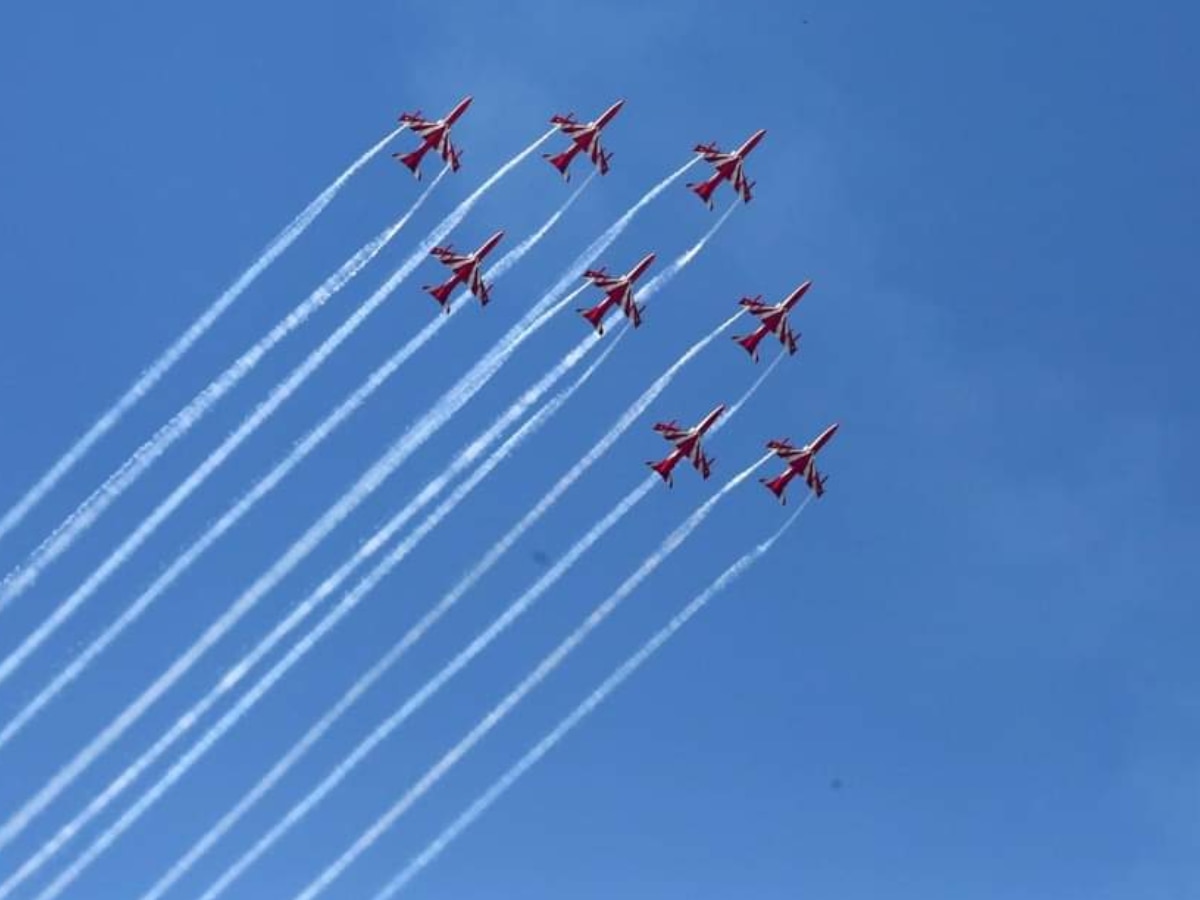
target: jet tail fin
595 317
750 343
704 190
441 293
561 161
776 486
663 467
413 159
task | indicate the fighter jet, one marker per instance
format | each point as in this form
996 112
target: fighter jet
620 293
435 135
800 461
466 269
585 137
728 168
687 445
774 321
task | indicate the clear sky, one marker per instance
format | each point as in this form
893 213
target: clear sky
969 670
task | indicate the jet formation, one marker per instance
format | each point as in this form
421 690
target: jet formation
619 290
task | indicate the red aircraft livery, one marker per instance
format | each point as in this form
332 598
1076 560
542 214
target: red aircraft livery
800 461
434 135
620 292
729 167
466 269
687 445
585 138
774 321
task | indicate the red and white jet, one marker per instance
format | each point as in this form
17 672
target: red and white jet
466 270
687 445
585 138
435 135
620 293
800 461
774 321
729 167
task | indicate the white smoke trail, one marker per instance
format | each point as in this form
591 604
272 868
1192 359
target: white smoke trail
182 344
279 394
381 667
663 278
60 540
91 509
473 379
497 714
499 787
373 477
299 452
511 258
459 662
249 598
280 668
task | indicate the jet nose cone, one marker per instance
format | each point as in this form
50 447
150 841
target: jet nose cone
753 140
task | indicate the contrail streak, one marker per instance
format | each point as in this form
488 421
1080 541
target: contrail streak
499 787
408 444
659 281
249 598
20 579
297 652
279 394
91 509
182 344
417 700
366 681
497 714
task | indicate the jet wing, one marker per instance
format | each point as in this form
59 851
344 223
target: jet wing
755 306
816 481
743 187
788 337
712 153
414 120
603 280
449 258
477 286
672 432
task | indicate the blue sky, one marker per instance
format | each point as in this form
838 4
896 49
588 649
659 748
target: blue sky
982 633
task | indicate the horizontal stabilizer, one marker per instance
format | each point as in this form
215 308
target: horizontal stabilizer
750 342
413 159
595 316
663 467
704 190
777 485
